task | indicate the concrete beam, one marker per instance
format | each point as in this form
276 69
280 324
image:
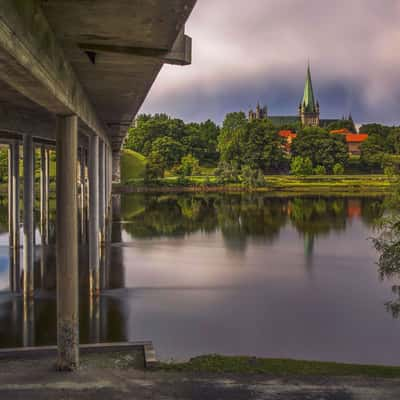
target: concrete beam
33 63
179 54
67 244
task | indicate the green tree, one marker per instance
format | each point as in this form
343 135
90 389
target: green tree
169 150
230 139
321 147
372 153
342 124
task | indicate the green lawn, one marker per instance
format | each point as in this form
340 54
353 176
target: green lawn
132 166
279 367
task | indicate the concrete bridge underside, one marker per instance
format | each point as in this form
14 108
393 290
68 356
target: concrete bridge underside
73 75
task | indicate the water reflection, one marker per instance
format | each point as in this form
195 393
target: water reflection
226 273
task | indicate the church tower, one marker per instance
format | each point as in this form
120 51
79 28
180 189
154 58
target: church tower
309 108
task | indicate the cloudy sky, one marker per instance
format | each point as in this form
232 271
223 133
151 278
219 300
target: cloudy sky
246 51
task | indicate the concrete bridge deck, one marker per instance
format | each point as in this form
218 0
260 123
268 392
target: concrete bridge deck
73 75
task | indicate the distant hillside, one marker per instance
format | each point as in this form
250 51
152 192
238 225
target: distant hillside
132 165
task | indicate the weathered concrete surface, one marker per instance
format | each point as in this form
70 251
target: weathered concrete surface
115 377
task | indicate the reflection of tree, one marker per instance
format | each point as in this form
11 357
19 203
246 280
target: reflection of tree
318 216
3 215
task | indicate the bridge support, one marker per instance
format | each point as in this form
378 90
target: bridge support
29 161
102 189
44 194
13 212
116 166
94 264
67 244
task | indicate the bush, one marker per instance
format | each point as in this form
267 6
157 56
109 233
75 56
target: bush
338 169
320 170
301 166
189 166
227 173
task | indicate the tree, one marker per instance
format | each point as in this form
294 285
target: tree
169 150
321 147
154 167
301 166
342 124
372 153
230 139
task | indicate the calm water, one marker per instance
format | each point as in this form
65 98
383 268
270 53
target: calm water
233 274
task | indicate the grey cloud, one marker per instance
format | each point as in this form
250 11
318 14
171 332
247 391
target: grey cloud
245 51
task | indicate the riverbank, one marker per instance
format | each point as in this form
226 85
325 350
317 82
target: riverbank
118 378
273 183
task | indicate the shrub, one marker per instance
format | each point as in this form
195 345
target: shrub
320 170
301 166
189 166
338 169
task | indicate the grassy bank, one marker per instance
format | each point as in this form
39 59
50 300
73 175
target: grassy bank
276 183
279 367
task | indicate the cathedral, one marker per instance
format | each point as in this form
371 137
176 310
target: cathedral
308 111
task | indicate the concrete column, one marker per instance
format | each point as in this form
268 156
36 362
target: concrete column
29 162
15 217
44 194
94 279
10 198
116 166
82 198
102 200
67 244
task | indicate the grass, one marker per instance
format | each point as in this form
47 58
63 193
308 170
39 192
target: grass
133 166
278 367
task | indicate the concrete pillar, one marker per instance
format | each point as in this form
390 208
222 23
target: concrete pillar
44 194
116 166
102 188
67 244
94 279
82 198
15 217
10 198
29 170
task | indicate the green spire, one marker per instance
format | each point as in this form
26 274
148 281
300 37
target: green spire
308 98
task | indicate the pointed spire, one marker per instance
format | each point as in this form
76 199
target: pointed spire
308 96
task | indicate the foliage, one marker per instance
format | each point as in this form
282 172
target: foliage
342 124
3 164
172 138
372 153
227 172
154 168
320 170
338 169
231 137
252 178
189 166
321 147
255 144
301 166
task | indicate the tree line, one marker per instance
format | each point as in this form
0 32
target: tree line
251 149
